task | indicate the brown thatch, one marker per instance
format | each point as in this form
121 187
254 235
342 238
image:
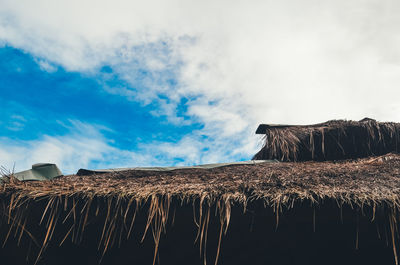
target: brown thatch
371 183
332 140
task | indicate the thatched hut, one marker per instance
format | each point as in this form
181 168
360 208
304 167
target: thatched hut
311 212
332 140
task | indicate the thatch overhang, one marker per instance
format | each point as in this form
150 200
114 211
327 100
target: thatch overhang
370 187
332 140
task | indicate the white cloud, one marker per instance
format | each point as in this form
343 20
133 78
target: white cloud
77 149
16 123
85 146
238 62
46 66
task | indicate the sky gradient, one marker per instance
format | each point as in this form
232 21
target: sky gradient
102 84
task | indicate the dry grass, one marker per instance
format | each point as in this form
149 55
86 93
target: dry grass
332 140
372 182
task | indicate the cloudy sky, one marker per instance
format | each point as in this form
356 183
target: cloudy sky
117 83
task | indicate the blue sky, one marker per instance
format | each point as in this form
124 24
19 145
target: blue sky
101 84
37 102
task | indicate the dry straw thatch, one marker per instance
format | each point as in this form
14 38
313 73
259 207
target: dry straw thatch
369 182
332 140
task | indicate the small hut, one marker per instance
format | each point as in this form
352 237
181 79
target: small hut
332 140
262 212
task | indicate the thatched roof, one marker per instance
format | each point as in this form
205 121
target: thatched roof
374 179
332 140
369 182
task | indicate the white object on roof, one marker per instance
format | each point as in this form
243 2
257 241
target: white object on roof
40 171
